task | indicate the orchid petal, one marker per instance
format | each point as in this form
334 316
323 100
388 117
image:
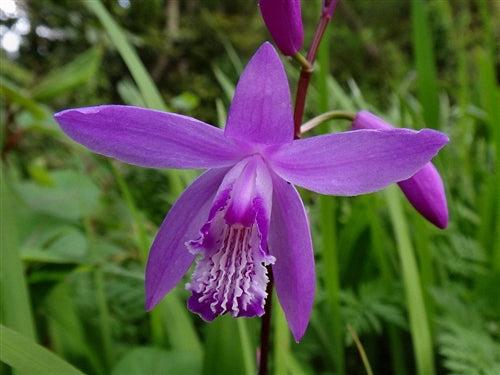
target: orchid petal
284 21
148 138
290 243
424 190
356 162
169 258
261 110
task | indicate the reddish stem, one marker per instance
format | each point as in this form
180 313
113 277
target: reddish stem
305 73
266 325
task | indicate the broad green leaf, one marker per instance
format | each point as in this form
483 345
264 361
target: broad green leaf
156 361
70 246
26 356
69 76
73 195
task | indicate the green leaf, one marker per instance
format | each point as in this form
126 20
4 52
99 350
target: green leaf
186 101
73 195
155 361
69 246
130 94
223 354
428 94
224 82
141 77
64 78
13 93
417 314
26 356
16 307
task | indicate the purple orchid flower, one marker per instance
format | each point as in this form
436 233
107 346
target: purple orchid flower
283 19
424 190
244 213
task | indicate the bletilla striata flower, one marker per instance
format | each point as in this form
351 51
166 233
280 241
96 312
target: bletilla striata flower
283 19
243 213
424 190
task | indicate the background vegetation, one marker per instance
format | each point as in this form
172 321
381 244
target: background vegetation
76 227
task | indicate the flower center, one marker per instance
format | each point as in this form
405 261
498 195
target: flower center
230 275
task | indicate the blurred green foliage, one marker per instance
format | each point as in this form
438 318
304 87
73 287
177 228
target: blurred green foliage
76 227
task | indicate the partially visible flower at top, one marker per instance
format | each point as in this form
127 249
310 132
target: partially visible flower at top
283 19
328 8
424 190
243 213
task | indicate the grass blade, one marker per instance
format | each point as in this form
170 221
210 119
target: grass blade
26 356
141 77
419 324
427 86
15 298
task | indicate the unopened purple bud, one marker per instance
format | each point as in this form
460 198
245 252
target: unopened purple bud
283 19
329 7
424 190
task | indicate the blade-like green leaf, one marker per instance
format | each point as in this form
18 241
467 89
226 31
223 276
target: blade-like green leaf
155 361
419 323
428 94
141 77
14 94
64 78
15 298
26 356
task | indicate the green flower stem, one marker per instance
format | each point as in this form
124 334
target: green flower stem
419 324
331 115
304 64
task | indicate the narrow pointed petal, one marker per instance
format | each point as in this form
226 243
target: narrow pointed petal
148 138
290 243
261 110
169 258
283 19
424 190
356 162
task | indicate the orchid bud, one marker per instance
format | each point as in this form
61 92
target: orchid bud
284 21
328 8
424 190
